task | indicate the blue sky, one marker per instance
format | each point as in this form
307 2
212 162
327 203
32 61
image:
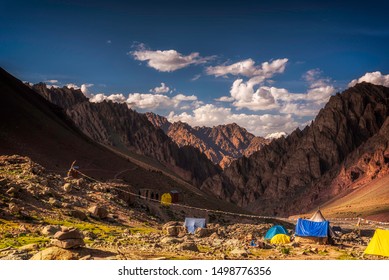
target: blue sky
268 66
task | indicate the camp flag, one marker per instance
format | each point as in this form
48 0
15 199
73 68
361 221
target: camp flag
311 228
280 239
193 223
379 244
166 199
274 230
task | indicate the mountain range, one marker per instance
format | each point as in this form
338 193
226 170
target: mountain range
343 151
347 143
222 144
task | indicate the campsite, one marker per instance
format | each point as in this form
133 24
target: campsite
124 225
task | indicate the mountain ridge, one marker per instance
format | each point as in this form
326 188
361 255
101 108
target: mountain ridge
297 173
222 144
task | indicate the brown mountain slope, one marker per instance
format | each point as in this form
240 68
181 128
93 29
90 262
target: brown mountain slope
32 126
296 173
222 144
129 132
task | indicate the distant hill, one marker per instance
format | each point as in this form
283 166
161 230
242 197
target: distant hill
222 144
131 133
348 141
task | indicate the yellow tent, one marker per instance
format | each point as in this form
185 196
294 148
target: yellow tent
166 199
379 244
280 239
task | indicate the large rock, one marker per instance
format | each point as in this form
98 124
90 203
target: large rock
98 212
188 246
68 243
202 232
77 214
67 187
54 253
13 208
71 234
50 230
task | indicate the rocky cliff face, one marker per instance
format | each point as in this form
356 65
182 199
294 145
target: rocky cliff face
348 141
118 126
222 144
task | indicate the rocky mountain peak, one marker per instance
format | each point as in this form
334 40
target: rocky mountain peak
295 173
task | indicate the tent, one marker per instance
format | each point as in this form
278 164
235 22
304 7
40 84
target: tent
311 231
317 217
277 229
166 199
379 244
280 239
193 223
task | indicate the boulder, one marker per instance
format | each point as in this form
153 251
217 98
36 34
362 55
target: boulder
98 212
172 231
29 247
78 214
188 246
54 253
70 234
50 230
54 202
202 232
68 243
13 208
67 188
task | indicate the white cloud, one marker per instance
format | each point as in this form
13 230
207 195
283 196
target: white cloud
85 89
100 97
51 81
210 115
275 135
225 99
372 77
249 69
256 97
72 86
109 42
150 101
167 60
162 89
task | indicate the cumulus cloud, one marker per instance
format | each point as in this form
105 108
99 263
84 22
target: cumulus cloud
161 89
72 86
275 135
167 60
160 101
256 97
100 97
85 89
211 115
372 77
150 101
249 69
51 81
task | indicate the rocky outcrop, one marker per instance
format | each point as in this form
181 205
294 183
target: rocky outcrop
222 144
118 126
347 140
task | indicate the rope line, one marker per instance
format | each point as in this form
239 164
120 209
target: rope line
226 212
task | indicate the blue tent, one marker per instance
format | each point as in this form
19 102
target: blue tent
311 228
193 223
274 230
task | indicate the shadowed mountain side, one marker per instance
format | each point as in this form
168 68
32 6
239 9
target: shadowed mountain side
32 126
129 132
295 174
